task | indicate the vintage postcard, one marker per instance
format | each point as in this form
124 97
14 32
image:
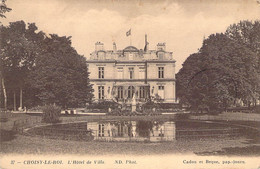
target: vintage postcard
130 84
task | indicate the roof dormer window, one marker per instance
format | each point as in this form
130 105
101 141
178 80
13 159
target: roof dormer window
131 56
101 55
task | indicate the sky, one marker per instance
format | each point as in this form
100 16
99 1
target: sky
181 24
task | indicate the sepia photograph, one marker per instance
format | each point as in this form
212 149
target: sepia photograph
113 84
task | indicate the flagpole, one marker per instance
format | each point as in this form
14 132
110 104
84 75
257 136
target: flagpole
128 33
131 37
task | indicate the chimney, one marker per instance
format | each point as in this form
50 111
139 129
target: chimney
99 46
114 47
161 46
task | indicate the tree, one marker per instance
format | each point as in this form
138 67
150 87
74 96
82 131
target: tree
60 75
247 33
3 9
237 60
222 71
18 52
45 69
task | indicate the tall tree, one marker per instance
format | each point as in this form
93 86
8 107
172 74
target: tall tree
45 69
3 9
18 52
247 33
60 75
222 71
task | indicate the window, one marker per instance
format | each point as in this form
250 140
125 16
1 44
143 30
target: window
141 73
160 56
120 72
161 87
131 91
101 55
120 92
142 92
131 72
161 91
160 72
101 130
131 56
100 92
101 72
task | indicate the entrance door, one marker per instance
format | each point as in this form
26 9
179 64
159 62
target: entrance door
131 91
161 92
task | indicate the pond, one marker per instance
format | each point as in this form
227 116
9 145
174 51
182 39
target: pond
140 130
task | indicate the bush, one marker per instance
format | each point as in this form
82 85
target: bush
36 108
256 109
115 112
150 105
169 105
103 105
51 114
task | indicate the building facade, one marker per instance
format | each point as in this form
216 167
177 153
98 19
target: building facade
120 75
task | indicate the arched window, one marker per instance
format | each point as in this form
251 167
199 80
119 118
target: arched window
131 91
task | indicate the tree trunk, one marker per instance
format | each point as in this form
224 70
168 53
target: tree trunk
249 104
4 92
21 98
14 101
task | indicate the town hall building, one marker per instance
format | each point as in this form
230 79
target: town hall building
120 75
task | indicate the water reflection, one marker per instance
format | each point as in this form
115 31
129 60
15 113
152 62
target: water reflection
133 130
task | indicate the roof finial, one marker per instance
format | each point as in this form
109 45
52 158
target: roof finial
146 44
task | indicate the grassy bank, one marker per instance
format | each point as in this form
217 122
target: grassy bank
35 145
231 116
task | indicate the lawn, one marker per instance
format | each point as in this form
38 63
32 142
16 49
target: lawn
36 145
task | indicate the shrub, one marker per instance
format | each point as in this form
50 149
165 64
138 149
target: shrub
182 116
150 108
36 108
51 114
115 112
104 105
170 105
256 109
150 105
